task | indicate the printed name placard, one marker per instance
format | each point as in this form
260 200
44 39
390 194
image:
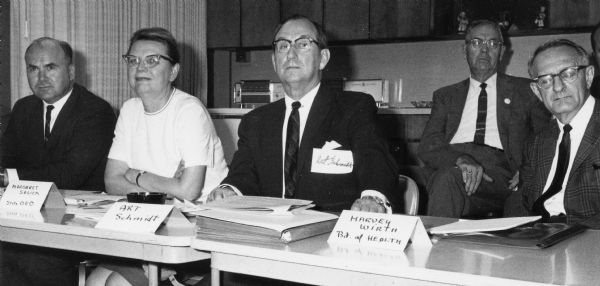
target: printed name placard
26 195
379 230
133 217
332 161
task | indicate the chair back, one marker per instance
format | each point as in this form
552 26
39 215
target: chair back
411 195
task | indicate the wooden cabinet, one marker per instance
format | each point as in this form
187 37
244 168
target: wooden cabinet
572 14
346 19
223 23
399 18
313 9
259 20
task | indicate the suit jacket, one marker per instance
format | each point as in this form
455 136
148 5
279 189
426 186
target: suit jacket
75 155
519 114
582 192
349 118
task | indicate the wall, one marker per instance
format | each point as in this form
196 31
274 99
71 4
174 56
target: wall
423 66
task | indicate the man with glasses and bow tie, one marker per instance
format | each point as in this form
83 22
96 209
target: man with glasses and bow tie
61 133
473 141
318 143
560 176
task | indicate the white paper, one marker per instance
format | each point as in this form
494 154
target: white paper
25 195
466 226
133 217
332 161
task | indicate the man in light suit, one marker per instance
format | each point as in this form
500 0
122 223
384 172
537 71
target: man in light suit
567 191
62 134
359 172
473 141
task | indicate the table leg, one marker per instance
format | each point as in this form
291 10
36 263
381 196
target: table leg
215 276
152 274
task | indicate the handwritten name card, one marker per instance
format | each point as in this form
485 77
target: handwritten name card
26 195
132 217
332 161
379 230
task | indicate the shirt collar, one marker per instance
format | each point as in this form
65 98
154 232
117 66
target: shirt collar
306 100
491 82
58 105
583 116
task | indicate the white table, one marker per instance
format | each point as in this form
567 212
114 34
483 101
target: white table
59 230
313 261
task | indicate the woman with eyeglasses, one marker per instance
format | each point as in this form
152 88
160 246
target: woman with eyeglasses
164 139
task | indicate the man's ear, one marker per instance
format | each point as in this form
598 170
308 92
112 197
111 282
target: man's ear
174 72
589 75
273 61
324 58
72 72
535 90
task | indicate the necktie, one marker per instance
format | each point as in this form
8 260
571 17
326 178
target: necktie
481 116
47 125
291 150
559 176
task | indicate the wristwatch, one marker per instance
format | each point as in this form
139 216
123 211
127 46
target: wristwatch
137 178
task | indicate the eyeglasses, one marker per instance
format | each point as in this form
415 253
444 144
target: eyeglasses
479 43
150 61
300 45
568 74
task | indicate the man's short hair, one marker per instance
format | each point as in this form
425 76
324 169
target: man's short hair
582 57
62 44
484 22
321 36
160 35
594 32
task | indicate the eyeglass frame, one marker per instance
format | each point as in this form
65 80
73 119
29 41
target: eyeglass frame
554 75
294 43
125 56
488 43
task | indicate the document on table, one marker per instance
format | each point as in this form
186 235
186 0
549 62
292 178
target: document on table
467 226
254 204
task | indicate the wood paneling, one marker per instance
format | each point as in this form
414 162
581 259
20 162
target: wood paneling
313 9
223 23
259 20
399 18
346 19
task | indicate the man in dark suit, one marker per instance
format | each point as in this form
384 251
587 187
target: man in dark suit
472 143
336 157
62 134
560 177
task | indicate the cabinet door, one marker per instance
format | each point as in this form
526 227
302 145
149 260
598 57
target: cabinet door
571 14
223 23
259 20
313 9
399 18
346 19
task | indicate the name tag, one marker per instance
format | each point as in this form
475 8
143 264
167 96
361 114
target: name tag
132 217
377 230
332 161
26 195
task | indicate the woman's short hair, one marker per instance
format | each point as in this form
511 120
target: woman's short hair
160 35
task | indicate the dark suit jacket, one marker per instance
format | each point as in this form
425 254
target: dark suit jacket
519 114
75 155
582 193
346 117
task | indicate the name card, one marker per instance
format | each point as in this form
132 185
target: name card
133 217
27 195
377 230
332 161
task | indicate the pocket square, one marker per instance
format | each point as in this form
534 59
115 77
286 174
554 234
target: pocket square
331 145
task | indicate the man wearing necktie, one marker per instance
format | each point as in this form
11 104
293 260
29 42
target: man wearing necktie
560 177
61 134
472 143
318 143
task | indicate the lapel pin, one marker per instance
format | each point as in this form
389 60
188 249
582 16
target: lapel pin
507 100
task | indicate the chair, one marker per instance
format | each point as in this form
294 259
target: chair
411 195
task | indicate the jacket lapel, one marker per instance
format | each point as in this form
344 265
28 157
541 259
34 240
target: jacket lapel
457 106
548 140
589 139
503 111
313 129
63 117
272 142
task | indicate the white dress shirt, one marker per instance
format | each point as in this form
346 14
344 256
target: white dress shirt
555 204
466 129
